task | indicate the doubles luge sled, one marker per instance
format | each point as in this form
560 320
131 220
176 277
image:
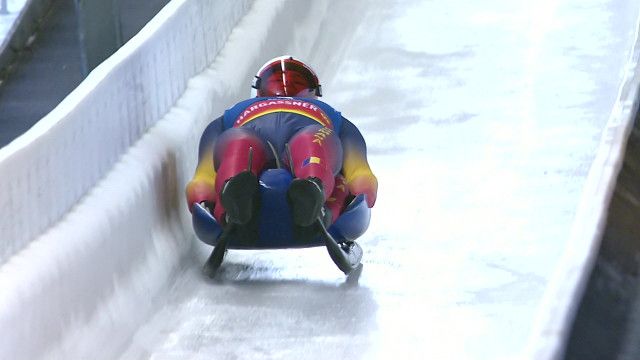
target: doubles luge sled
272 228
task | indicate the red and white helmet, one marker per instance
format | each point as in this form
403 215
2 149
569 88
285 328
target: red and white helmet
286 76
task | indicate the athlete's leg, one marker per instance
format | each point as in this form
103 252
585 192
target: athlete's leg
316 158
316 152
236 185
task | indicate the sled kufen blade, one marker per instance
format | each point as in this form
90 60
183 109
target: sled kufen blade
346 256
212 265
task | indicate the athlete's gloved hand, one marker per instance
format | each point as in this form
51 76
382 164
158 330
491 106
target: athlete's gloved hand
208 205
367 185
200 192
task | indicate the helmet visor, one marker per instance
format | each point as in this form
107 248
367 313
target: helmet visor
287 78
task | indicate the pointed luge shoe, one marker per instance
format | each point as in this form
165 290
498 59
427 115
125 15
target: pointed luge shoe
239 197
306 199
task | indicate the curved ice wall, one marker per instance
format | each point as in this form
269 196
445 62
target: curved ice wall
592 306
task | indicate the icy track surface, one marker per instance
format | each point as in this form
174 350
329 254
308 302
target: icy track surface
482 120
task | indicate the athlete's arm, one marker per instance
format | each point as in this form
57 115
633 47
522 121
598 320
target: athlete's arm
355 168
201 186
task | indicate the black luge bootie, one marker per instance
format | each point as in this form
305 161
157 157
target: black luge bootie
239 197
306 199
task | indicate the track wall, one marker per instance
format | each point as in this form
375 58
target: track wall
119 101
